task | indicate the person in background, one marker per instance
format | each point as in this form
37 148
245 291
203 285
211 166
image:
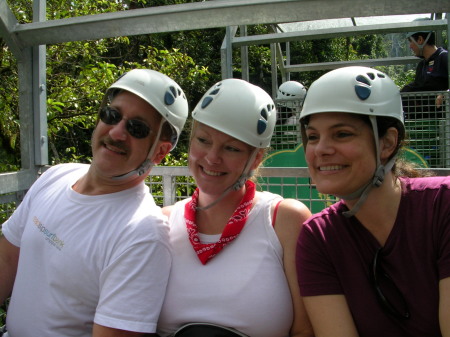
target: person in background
377 262
431 74
233 264
87 251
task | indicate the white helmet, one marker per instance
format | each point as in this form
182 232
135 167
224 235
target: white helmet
158 90
239 109
291 90
356 90
163 94
291 93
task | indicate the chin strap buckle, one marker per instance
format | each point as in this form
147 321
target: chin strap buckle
378 177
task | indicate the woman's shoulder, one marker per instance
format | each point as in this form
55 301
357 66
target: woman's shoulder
294 208
169 209
329 215
426 183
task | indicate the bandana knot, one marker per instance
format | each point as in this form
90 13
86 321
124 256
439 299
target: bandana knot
234 226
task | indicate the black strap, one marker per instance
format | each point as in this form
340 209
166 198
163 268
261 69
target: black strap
207 330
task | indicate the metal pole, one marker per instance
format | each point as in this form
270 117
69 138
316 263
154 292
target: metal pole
39 90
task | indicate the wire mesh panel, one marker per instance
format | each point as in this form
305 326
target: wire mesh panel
297 188
286 135
427 123
169 184
156 185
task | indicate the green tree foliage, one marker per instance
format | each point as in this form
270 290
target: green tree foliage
78 73
9 121
334 50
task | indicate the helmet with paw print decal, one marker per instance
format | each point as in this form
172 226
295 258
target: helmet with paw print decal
361 91
239 109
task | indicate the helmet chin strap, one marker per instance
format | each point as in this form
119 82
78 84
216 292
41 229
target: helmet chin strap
147 164
420 46
377 179
245 175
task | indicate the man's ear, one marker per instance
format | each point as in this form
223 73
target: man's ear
162 149
388 143
420 39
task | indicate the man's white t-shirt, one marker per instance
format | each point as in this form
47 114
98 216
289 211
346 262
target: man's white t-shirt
84 259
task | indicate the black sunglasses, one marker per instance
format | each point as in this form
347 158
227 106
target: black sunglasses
388 294
135 127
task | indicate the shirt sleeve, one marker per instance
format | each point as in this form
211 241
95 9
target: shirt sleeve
133 286
13 228
316 273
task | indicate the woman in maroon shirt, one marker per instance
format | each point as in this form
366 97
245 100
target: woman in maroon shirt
377 263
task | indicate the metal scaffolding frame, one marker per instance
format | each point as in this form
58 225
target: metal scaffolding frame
281 63
28 44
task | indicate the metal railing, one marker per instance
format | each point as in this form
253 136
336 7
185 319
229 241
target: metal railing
428 130
427 123
171 184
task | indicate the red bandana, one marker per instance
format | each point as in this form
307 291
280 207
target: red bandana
206 251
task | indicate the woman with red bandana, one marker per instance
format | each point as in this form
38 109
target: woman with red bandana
376 263
233 247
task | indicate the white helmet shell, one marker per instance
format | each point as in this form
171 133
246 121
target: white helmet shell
291 94
158 90
239 109
291 90
358 90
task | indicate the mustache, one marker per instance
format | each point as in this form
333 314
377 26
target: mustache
117 144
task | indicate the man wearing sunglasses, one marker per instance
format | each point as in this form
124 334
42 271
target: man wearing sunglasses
86 253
